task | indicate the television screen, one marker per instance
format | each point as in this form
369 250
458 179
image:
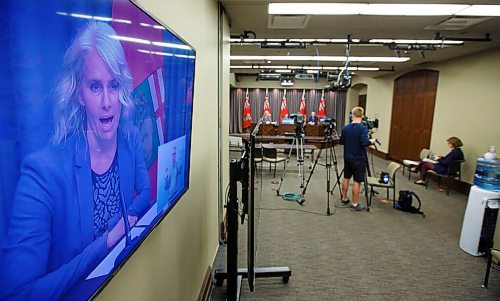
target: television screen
287 121
95 135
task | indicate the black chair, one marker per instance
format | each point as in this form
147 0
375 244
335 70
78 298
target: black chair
454 171
258 157
271 155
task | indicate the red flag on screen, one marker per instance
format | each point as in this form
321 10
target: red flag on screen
247 116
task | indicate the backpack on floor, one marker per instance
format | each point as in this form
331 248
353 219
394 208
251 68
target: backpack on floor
404 203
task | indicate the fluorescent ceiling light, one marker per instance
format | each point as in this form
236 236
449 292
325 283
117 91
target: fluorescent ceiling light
403 41
412 9
480 10
384 9
321 58
315 8
288 69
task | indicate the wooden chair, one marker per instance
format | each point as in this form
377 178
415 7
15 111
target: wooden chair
409 164
454 171
374 182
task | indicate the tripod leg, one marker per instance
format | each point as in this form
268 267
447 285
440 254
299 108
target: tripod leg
284 169
310 175
334 160
368 198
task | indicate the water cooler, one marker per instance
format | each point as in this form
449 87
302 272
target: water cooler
482 208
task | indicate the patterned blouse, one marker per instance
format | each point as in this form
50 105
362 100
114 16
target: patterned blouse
106 193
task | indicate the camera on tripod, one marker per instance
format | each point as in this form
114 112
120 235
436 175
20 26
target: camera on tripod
370 123
329 124
298 119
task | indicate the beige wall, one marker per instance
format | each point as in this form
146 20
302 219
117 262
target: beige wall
171 263
467 105
225 86
378 105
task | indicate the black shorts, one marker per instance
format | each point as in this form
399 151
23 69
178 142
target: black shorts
354 169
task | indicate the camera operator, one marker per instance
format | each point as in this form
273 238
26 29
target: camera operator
355 139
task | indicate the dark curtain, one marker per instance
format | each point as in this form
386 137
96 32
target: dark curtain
335 103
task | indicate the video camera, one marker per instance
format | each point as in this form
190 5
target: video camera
371 123
329 124
298 119
339 81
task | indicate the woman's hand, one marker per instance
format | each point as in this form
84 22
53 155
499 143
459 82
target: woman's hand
119 230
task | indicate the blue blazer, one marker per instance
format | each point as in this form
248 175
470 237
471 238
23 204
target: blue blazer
50 244
442 166
313 119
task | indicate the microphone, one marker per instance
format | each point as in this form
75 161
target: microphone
125 221
128 236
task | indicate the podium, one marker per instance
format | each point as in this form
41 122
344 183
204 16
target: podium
476 224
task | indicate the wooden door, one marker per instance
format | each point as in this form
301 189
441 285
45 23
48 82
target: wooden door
412 114
362 102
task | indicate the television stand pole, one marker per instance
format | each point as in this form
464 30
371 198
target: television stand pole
238 171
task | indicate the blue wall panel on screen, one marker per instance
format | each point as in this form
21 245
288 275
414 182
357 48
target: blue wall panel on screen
96 103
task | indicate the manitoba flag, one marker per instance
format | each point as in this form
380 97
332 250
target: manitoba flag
284 110
266 105
247 116
321 110
303 104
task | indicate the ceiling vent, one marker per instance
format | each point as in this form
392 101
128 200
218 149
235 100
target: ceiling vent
269 76
306 76
457 23
287 22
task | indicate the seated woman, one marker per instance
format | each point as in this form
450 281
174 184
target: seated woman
442 162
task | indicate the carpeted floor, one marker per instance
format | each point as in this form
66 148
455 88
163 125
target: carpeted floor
384 254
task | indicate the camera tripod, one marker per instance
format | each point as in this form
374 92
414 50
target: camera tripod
298 143
328 144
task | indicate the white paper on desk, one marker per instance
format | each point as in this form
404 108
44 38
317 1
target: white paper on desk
430 161
107 265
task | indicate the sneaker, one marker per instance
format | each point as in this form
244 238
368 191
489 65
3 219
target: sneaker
344 203
358 207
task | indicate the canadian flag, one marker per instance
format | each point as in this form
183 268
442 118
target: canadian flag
266 105
302 109
247 116
321 110
284 110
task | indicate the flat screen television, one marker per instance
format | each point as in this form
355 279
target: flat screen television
96 102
